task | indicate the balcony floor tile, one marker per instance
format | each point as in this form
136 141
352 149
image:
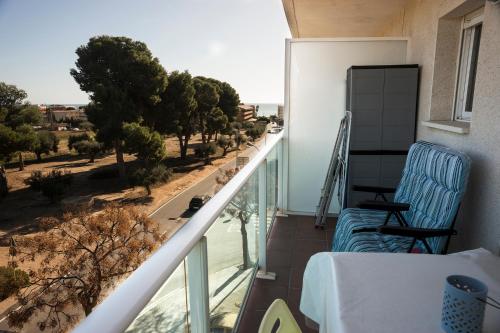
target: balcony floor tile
293 240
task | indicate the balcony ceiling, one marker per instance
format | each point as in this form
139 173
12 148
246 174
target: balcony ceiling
341 18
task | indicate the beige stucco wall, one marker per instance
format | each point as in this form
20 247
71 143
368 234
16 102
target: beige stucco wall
479 222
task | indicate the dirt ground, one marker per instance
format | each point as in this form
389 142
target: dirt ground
22 208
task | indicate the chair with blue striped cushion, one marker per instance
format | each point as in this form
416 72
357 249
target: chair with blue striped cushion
430 191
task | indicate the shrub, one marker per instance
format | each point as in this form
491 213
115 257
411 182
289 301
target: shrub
35 180
90 148
149 177
105 174
236 125
52 185
73 139
147 145
11 280
247 125
225 142
86 125
263 119
45 143
205 150
255 132
240 139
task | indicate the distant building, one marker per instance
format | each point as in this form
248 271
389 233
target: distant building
280 111
246 113
55 107
62 115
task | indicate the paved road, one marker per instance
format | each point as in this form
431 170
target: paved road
178 206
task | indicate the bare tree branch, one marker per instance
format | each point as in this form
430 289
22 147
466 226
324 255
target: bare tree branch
81 254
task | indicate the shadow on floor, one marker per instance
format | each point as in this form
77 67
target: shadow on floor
293 240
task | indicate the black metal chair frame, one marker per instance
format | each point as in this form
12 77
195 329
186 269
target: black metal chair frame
396 209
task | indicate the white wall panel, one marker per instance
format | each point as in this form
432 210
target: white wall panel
315 104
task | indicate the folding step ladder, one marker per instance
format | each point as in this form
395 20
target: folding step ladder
337 172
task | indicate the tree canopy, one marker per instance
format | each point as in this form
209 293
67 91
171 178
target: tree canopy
225 142
10 95
88 147
26 140
216 122
123 80
228 98
177 111
146 144
207 98
21 115
45 143
8 142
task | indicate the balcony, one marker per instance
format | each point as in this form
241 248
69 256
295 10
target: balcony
215 273
212 274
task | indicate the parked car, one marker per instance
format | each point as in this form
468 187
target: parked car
274 130
198 201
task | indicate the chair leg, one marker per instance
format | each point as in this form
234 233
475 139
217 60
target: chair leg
445 250
412 245
427 247
388 216
401 219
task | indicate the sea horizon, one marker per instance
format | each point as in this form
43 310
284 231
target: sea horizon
265 109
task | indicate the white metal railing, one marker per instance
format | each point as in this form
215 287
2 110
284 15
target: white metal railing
119 309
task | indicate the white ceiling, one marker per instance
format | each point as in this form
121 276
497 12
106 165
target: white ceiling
341 18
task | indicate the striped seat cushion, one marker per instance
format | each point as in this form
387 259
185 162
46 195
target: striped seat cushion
433 183
356 218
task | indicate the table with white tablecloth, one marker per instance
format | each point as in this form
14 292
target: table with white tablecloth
391 292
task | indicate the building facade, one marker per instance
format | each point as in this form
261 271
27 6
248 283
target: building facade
246 112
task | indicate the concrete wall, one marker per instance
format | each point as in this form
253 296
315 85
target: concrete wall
434 30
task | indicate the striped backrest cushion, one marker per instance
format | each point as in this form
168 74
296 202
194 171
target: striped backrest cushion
433 183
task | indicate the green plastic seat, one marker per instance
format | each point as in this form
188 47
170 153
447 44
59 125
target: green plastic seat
279 312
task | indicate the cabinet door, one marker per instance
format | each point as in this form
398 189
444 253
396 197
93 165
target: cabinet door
400 103
391 170
373 170
366 106
364 170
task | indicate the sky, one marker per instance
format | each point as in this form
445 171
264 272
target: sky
241 42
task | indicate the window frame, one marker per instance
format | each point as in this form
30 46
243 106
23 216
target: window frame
469 35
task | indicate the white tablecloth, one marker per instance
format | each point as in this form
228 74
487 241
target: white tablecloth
379 292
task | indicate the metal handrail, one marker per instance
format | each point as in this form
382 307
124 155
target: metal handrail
119 309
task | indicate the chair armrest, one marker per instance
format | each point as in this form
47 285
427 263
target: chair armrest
418 233
373 189
384 205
